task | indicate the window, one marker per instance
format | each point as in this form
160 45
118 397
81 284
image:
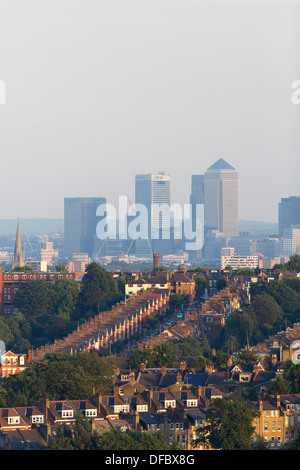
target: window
14 420
266 427
279 426
37 419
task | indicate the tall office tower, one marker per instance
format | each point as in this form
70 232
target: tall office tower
196 198
197 195
150 190
80 222
288 213
291 241
221 199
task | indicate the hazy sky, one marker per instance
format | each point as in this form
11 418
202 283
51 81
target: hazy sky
99 90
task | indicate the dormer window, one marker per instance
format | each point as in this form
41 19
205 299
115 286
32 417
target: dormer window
67 414
244 378
14 420
37 419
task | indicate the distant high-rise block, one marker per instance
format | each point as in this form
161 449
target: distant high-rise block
288 213
291 241
221 199
197 195
80 222
152 190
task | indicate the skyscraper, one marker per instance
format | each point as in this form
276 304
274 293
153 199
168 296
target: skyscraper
197 195
18 257
221 198
196 199
80 222
152 190
288 213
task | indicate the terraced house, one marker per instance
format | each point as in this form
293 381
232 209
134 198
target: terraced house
279 420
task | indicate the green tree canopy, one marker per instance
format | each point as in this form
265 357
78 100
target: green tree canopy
99 289
221 282
229 424
34 298
59 377
65 294
200 282
132 440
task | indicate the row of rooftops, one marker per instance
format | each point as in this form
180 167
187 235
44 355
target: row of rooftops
153 398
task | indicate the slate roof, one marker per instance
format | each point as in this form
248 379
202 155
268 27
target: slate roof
17 440
195 379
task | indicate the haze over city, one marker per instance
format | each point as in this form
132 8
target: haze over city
100 91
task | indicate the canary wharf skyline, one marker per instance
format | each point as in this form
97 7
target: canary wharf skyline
97 92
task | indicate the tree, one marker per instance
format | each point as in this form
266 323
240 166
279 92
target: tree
132 440
65 294
61 267
220 359
246 356
63 439
34 298
293 264
59 376
79 438
291 374
279 386
221 282
244 272
22 269
176 300
83 433
99 290
229 424
267 311
200 282
5 333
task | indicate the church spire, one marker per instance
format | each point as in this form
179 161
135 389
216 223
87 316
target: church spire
18 257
